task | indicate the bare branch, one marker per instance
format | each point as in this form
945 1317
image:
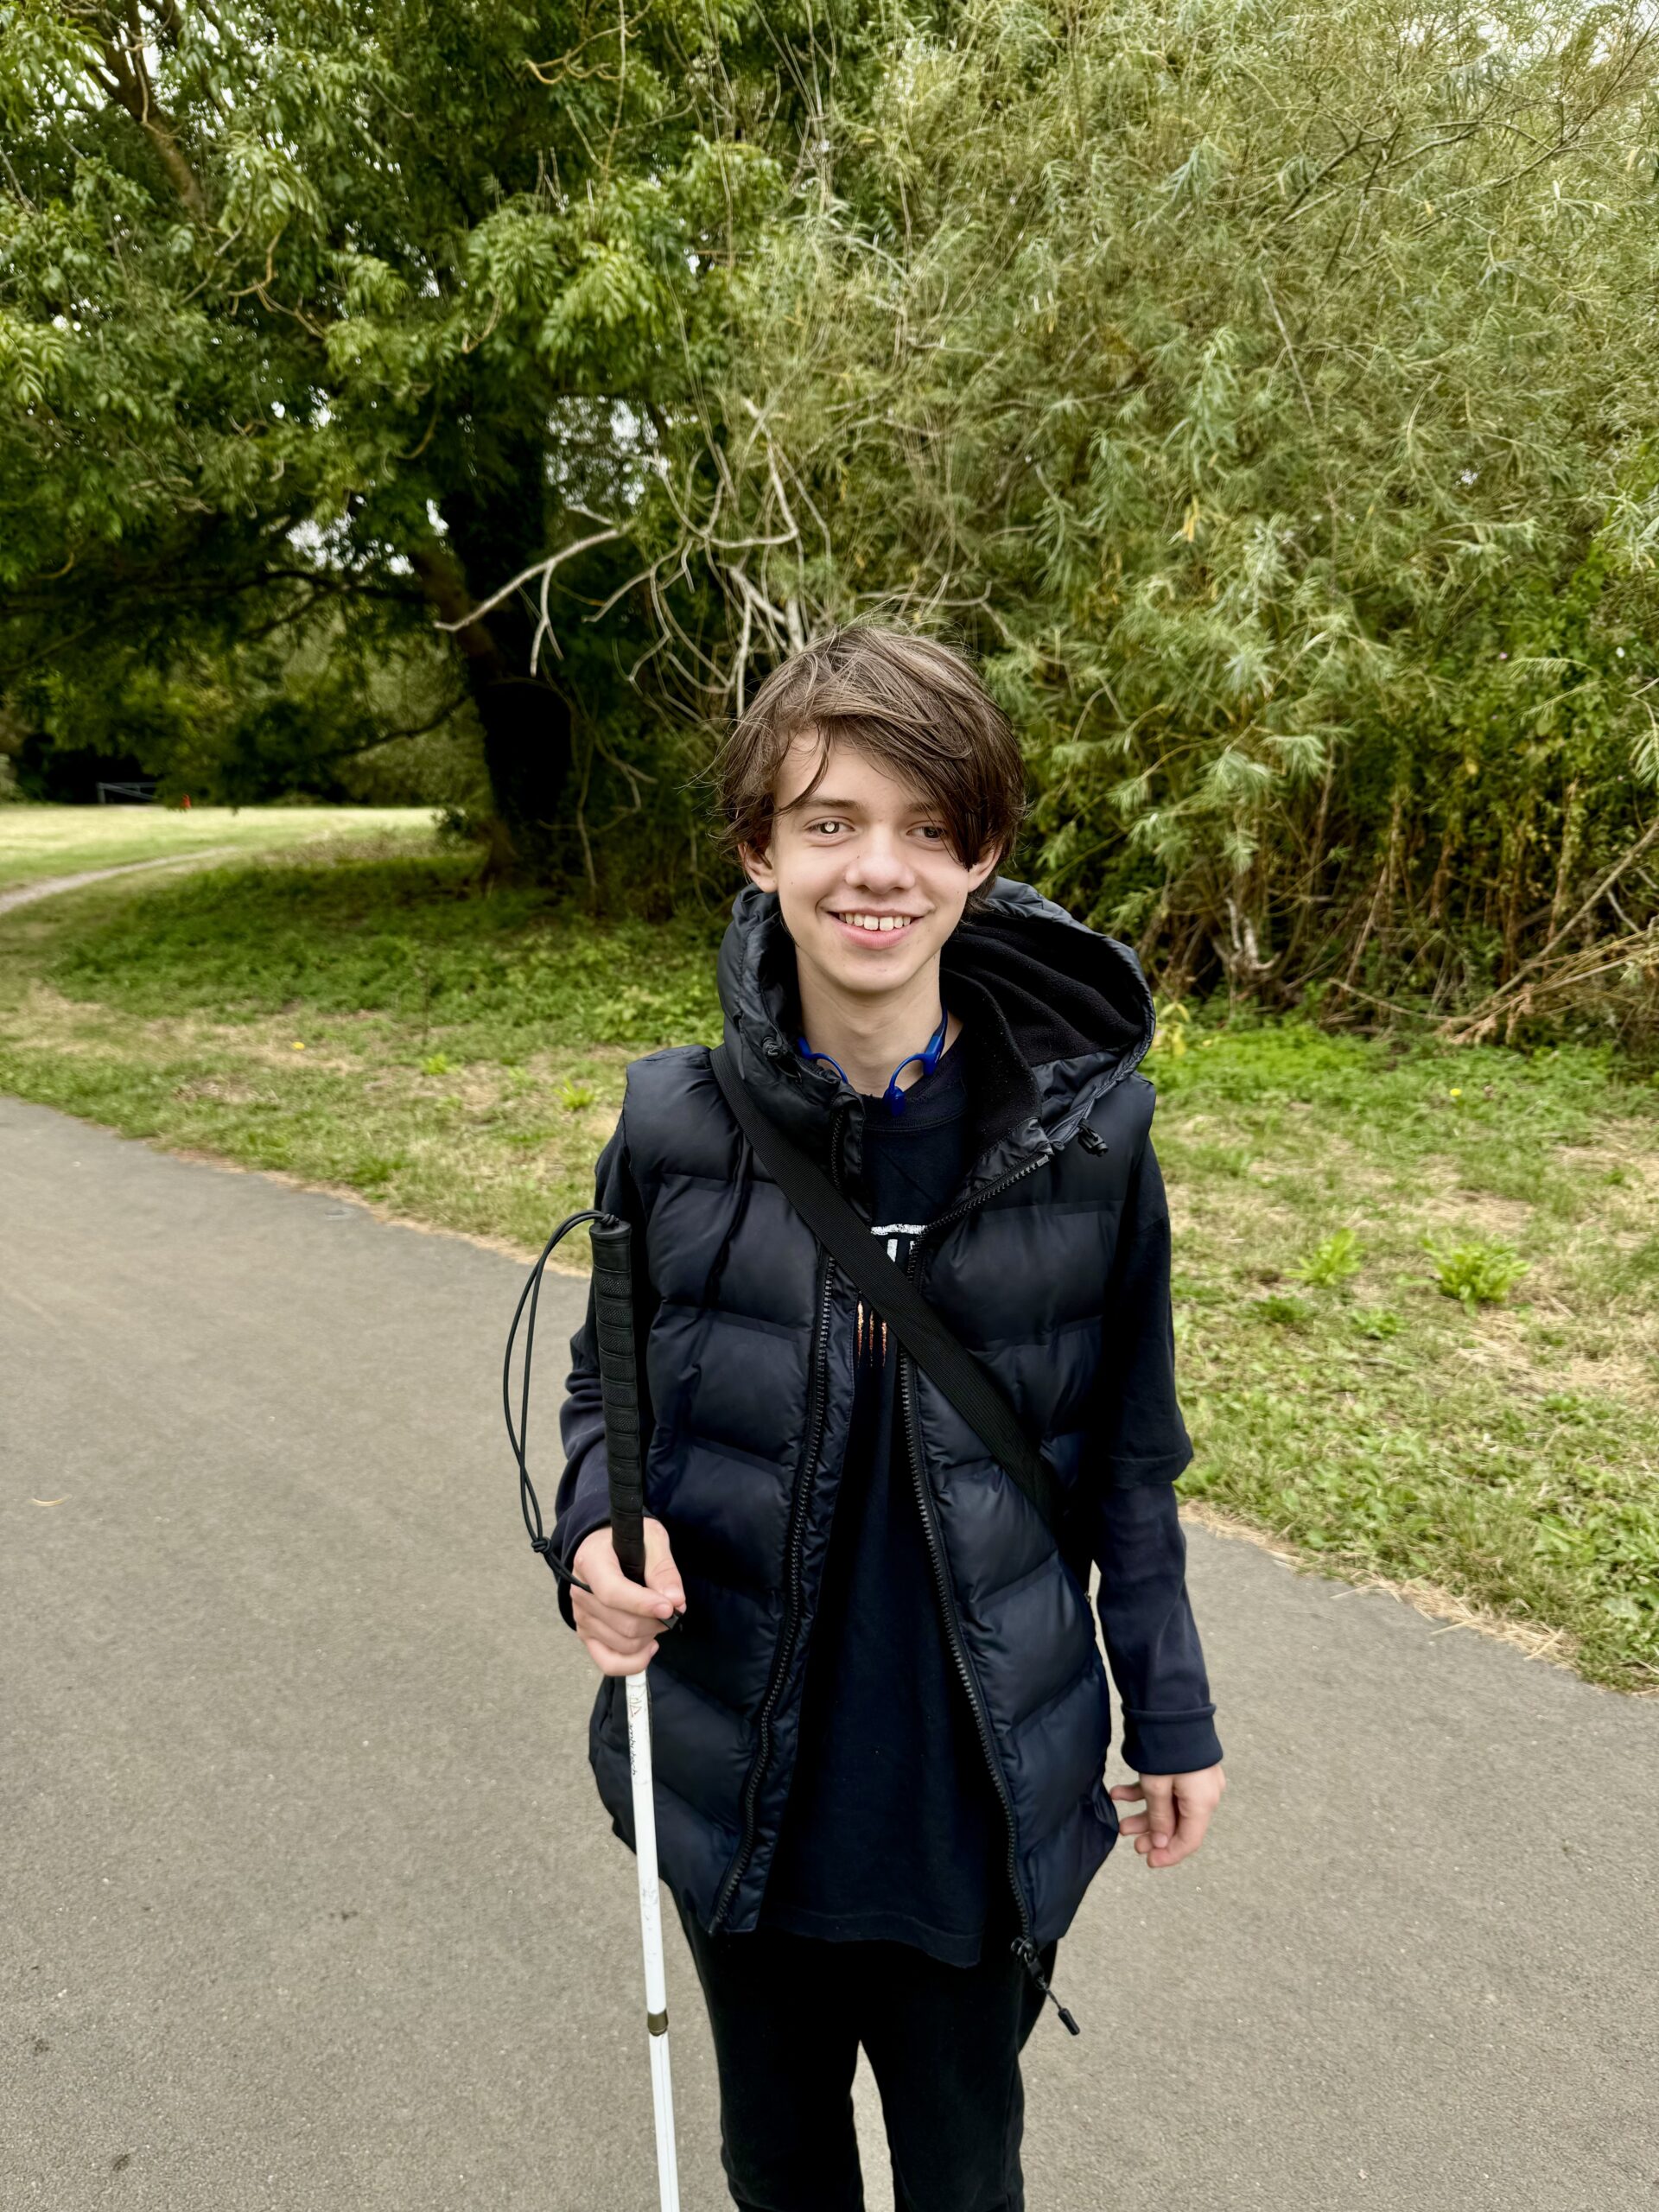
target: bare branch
535 569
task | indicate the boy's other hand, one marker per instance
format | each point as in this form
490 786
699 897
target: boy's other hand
618 1620
1178 1809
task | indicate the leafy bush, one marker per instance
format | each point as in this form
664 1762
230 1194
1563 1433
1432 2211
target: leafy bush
1479 1274
1281 439
1378 1322
1334 1260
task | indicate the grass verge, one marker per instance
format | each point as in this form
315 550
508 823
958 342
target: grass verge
36 841
377 1023
1506 1450
373 1022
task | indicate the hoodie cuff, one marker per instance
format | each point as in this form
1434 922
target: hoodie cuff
1171 1742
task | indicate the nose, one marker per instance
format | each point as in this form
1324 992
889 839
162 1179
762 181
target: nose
880 864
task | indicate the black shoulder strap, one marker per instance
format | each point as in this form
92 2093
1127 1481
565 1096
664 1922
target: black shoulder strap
975 1396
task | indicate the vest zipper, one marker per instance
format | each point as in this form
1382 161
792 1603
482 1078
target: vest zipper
1023 1948
819 1389
948 1218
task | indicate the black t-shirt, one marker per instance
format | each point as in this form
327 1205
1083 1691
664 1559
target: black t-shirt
891 1831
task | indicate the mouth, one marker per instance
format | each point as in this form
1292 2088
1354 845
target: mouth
870 924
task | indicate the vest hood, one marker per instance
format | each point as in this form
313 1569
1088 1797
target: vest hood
1054 1015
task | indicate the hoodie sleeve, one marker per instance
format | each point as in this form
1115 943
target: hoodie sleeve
1152 1640
583 1500
1145 1618
1142 1437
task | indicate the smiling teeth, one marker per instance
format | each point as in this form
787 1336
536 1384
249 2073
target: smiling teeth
882 922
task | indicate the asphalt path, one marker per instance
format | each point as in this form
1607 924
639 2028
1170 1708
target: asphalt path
307 1901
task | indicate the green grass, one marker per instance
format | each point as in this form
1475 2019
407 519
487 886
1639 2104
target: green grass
1367 1371
381 1025
376 1023
36 841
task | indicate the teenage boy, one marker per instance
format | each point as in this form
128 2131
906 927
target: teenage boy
881 1722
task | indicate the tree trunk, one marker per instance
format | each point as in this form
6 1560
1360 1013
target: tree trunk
495 531
527 748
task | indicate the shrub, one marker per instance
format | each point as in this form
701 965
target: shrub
1333 1260
1378 1322
1476 1273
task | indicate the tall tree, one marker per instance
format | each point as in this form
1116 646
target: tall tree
355 308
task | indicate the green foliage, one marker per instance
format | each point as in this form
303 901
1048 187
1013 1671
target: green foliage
1479 1274
1282 436
1334 1259
1377 1323
1266 393
318 322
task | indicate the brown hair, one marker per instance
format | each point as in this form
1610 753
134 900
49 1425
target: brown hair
915 706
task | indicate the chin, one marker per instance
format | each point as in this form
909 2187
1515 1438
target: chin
878 973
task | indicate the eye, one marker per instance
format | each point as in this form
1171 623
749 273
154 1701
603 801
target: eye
933 829
828 826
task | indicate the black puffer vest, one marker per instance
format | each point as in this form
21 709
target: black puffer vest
749 1361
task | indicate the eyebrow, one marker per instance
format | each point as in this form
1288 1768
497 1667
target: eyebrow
818 804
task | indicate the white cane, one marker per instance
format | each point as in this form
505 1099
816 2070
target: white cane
650 1929
619 1377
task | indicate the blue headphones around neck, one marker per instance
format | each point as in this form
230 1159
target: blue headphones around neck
928 1056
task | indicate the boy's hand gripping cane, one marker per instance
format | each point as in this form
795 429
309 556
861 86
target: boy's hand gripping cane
619 1377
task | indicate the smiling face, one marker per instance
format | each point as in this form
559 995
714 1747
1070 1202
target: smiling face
868 885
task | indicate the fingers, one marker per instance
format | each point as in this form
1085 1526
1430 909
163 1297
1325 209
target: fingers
596 1565
1192 1823
620 1643
1153 1828
620 1620
1158 1822
661 1574
1179 1810
610 1662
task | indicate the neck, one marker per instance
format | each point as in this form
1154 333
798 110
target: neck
867 1037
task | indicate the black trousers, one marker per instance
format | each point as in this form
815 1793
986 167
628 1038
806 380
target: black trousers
789 2013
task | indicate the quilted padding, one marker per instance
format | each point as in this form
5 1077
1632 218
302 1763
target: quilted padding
748 1337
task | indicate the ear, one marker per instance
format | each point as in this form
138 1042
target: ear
985 867
758 867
